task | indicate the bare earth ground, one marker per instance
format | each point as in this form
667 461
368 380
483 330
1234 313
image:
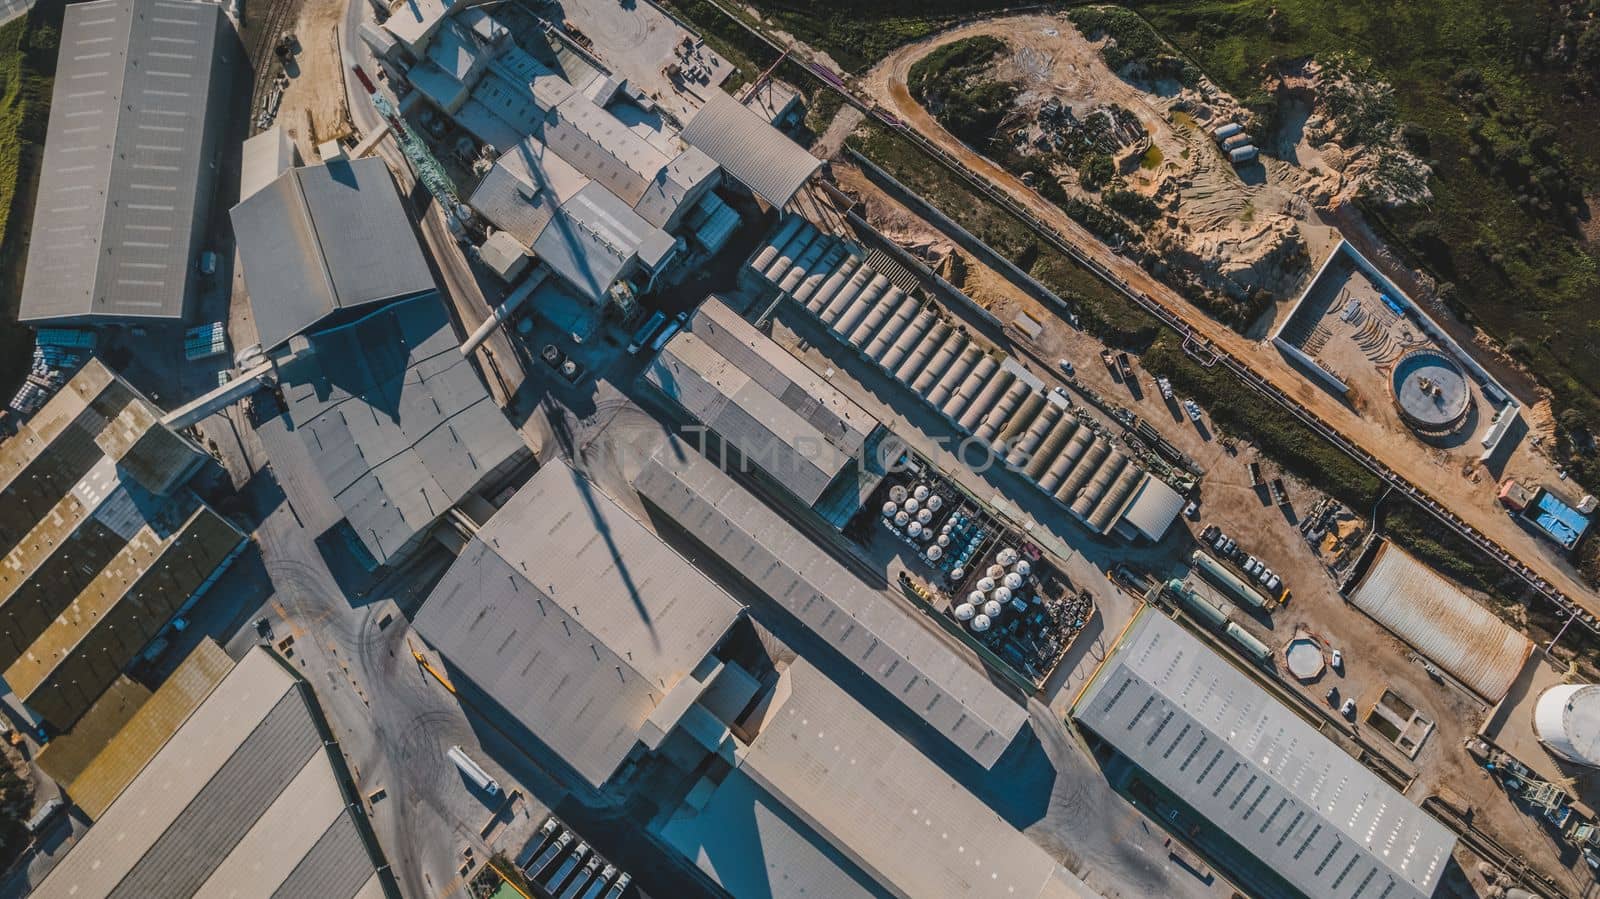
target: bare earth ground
1473 502
313 109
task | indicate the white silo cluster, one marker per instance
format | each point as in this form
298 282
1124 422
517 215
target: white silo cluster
1003 586
910 513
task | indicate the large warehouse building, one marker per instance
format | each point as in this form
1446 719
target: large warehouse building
103 543
828 800
1246 769
397 423
887 641
321 244
242 794
576 620
782 418
130 161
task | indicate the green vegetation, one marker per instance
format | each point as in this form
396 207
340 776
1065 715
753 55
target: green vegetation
27 61
1133 47
1100 309
1499 97
956 85
1152 159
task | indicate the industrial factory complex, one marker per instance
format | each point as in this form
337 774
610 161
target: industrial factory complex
550 451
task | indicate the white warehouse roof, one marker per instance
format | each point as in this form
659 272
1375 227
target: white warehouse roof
779 413
1255 770
574 618
886 638
753 152
1444 624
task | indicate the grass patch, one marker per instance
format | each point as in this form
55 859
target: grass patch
1499 97
956 84
1100 308
1152 159
27 62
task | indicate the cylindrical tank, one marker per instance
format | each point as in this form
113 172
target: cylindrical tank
900 518
957 573
1001 594
934 553
1023 568
965 611
921 492
924 514
935 502
889 509
1230 584
912 505
980 622
996 571
1252 647
1198 606
1567 721
985 584
1006 556
992 609
1013 581
914 529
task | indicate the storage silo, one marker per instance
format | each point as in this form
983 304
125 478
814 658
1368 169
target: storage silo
1567 721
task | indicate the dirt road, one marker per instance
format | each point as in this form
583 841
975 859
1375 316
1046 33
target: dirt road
1474 503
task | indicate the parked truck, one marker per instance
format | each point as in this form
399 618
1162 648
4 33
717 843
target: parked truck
474 771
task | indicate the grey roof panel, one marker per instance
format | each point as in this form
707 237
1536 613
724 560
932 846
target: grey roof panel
888 643
326 871
324 238
749 149
396 421
575 618
126 176
1258 771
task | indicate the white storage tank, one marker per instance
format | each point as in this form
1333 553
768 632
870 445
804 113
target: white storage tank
1567 721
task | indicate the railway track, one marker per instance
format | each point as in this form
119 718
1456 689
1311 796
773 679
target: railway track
1195 345
280 15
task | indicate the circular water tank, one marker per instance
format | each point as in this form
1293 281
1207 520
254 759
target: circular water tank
912 505
1567 720
992 609
1023 568
924 515
1006 556
935 502
1001 594
889 509
985 584
901 518
980 622
921 493
965 611
1013 580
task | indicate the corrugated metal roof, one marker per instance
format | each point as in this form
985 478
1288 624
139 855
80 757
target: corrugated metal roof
325 238
878 799
1154 508
396 421
1257 771
521 193
753 152
574 618
889 642
126 753
126 177
1426 611
751 844
248 759
593 240
784 418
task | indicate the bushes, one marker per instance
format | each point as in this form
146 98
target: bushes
1132 43
955 84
